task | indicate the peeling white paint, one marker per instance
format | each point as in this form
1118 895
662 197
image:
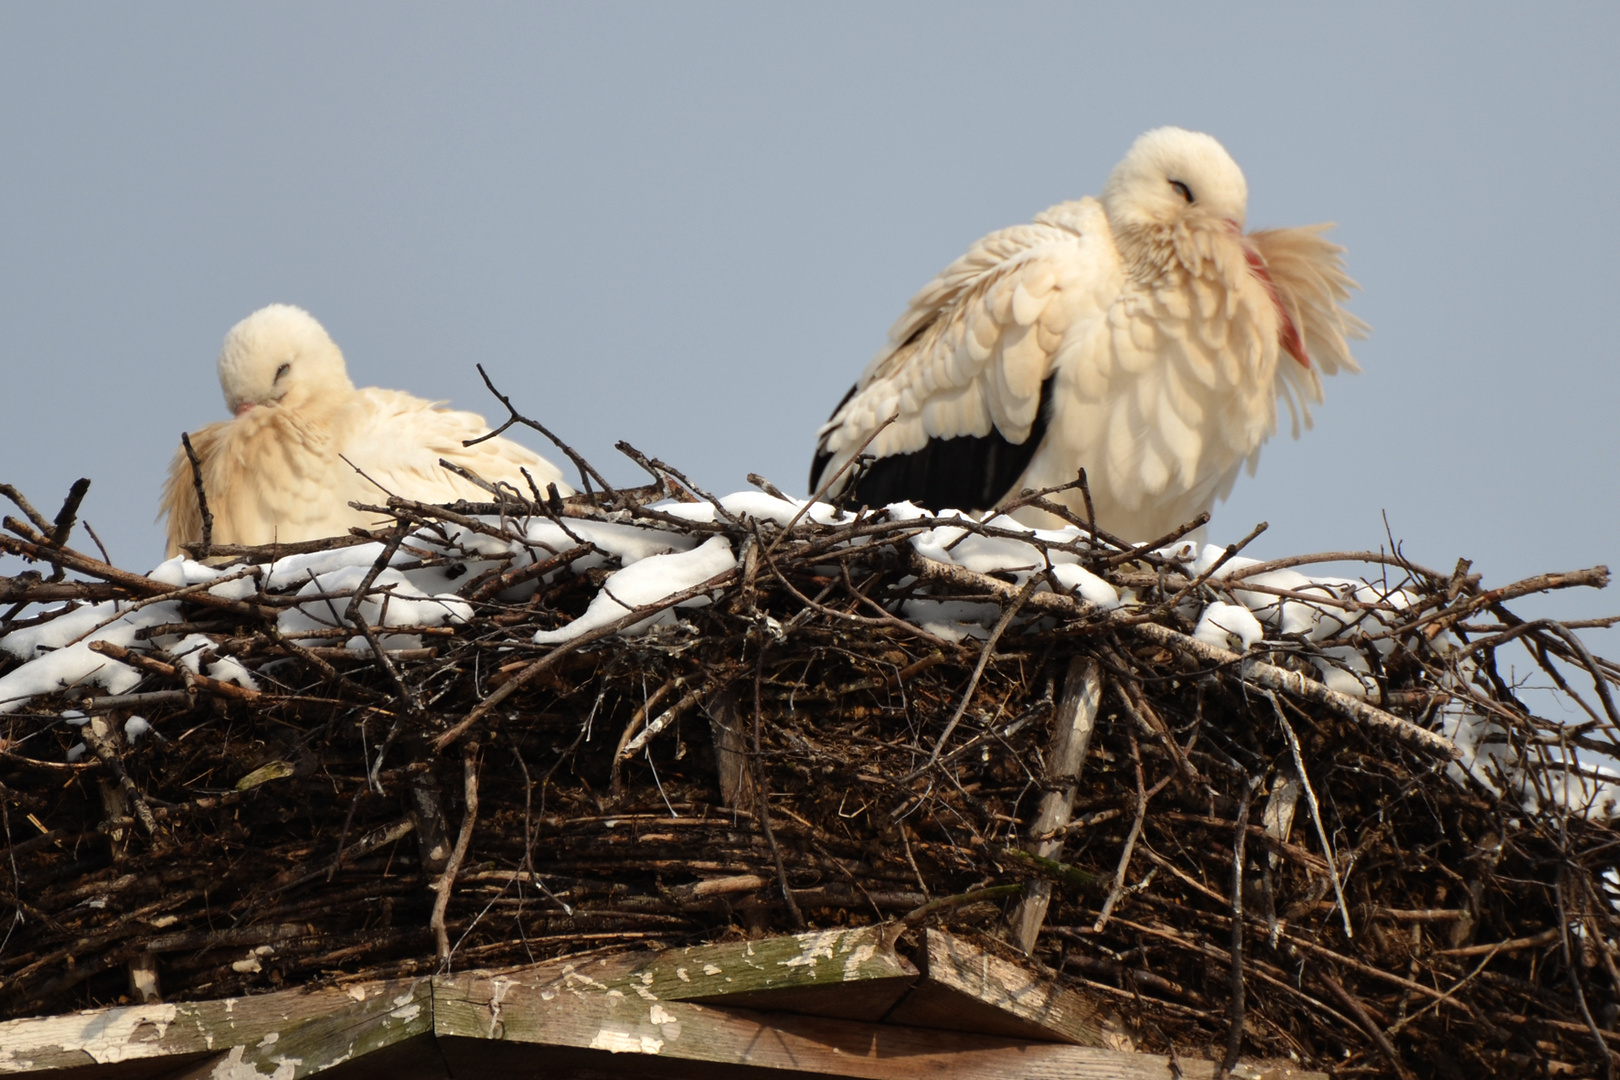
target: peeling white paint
815 946
680 973
407 1013
619 1041
497 1000
666 1022
270 1039
859 956
403 998
645 981
570 974
710 969
357 993
105 1036
232 1067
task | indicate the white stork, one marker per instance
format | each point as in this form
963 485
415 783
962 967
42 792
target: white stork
288 465
1143 337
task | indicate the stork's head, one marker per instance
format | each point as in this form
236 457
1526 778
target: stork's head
280 356
1172 177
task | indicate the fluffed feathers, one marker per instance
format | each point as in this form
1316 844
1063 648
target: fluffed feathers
305 443
1166 333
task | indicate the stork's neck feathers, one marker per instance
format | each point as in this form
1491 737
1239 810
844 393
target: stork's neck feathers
1196 249
1213 254
311 428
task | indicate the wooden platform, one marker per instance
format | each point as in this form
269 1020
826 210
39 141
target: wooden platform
836 1003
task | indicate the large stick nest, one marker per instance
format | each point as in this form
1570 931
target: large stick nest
798 753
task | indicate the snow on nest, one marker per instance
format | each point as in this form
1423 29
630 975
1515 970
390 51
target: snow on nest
655 562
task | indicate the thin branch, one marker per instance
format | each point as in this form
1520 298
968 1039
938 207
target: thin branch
586 472
205 548
985 654
447 881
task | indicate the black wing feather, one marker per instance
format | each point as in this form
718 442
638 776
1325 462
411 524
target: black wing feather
818 464
965 473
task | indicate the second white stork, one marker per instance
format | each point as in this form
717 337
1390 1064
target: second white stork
305 443
1144 337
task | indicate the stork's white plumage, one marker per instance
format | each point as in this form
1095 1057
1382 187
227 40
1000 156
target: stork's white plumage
287 467
1143 337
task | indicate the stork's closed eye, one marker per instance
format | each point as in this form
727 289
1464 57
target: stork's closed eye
1182 189
280 371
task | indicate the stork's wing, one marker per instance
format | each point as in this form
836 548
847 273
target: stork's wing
397 440
969 357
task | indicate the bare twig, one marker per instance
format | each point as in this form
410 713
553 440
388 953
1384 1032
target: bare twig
1235 986
762 796
447 881
586 472
985 654
1143 794
826 485
205 548
1316 813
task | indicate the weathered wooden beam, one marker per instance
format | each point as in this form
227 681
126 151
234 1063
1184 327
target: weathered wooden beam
472 1011
290 1034
675 1010
965 988
848 974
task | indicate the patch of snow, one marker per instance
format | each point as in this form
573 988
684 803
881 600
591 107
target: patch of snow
648 581
391 601
1229 626
1090 588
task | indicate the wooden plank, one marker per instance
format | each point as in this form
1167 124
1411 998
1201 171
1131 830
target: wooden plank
588 1013
518 1061
473 1008
414 1058
850 974
964 988
854 974
290 1034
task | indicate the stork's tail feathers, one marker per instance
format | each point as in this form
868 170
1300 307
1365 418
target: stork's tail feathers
1307 271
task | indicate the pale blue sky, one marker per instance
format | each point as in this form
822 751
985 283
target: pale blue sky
690 226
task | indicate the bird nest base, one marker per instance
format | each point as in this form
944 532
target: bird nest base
1232 849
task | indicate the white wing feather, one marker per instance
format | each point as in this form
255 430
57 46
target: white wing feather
277 475
1163 391
975 345
397 439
